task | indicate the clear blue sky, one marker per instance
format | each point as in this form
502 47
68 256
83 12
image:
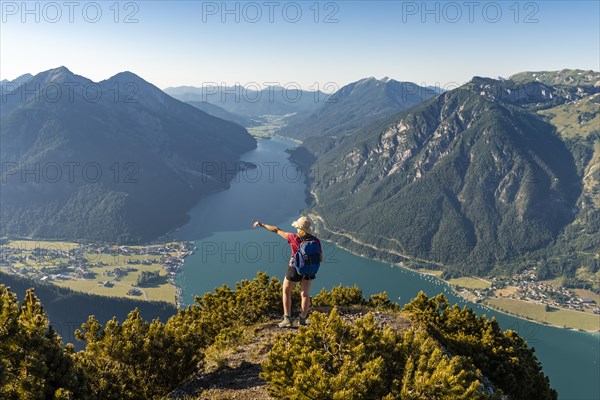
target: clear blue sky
194 42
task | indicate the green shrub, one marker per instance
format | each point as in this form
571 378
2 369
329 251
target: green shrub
34 364
333 359
501 356
442 356
431 374
340 296
225 344
135 360
381 302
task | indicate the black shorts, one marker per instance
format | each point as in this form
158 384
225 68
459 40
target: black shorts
293 276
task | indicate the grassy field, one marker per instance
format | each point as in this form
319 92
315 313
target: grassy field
583 293
470 283
579 118
159 293
430 272
164 291
556 282
559 317
44 263
272 124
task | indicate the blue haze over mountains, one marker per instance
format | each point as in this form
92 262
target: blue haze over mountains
252 101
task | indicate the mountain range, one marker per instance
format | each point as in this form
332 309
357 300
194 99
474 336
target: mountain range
117 160
354 106
222 113
485 178
489 177
251 102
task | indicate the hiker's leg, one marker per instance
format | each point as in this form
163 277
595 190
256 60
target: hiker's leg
288 287
305 286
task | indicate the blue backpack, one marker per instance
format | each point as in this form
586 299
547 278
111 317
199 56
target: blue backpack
308 257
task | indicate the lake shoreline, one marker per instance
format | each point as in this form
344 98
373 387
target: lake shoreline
222 222
315 216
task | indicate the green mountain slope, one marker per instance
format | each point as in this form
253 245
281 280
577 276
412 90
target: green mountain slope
123 167
471 180
575 255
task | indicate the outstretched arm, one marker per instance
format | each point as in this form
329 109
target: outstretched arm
271 228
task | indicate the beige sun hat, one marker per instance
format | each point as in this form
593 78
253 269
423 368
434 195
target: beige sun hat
304 224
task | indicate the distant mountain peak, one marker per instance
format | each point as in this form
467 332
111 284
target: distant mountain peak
58 75
364 80
357 104
127 75
137 89
386 80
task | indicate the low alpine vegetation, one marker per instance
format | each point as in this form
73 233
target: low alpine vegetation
447 352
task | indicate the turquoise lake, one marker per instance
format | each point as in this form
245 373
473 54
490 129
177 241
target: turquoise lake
229 250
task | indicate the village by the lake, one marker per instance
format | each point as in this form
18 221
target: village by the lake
147 272
545 301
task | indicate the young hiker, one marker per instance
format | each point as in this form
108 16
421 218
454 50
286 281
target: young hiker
306 257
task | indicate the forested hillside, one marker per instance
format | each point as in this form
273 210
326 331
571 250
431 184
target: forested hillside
121 163
483 179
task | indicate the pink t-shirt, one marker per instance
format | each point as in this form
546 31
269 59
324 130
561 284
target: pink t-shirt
294 241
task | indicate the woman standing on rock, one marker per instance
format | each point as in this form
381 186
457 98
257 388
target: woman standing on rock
304 263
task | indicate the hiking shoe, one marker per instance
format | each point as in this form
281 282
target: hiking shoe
286 323
302 321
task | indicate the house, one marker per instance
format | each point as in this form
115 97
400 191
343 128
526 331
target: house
134 292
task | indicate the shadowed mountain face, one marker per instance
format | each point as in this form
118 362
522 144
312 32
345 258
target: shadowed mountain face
468 179
117 160
355 106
